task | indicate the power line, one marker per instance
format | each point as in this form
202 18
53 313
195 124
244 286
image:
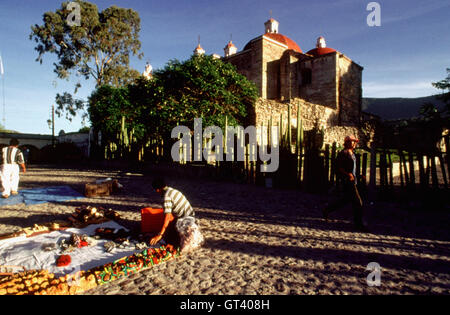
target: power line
2 73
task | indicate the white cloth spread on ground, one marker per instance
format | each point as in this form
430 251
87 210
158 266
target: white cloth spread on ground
28 252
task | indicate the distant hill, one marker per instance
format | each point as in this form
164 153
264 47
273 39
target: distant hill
397 107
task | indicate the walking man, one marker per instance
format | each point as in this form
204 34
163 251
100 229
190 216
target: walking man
11 158
346 170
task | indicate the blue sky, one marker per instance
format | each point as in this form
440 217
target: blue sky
401 57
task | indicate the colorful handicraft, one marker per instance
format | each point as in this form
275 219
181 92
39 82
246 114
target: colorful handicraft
90 215
41 282
63 261
134 263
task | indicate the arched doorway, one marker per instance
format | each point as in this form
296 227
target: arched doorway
31 153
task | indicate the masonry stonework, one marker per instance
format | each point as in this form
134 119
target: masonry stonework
324 84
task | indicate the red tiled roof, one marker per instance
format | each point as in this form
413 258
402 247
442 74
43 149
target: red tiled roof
320 51
284 40
230 44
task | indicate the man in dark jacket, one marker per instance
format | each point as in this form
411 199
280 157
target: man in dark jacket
346 171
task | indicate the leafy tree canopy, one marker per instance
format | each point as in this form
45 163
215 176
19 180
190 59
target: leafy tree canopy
99 48
430 112
445 86
200 87
84 129
2 129
108 106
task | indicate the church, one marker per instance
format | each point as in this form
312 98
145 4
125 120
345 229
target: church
323 83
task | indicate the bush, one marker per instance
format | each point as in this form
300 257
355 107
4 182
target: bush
62 152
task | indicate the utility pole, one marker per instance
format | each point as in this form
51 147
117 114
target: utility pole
4 106
2 74
53 126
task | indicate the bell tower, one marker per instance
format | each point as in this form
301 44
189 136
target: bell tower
199 51
148 73
271 26
230 49
321 43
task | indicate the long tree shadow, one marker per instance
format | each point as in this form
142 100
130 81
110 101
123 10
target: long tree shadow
250 203
418 247
332 255
402 285
24 222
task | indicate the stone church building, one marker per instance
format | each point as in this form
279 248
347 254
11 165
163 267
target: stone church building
323 83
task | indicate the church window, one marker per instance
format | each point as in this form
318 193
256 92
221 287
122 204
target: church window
306 76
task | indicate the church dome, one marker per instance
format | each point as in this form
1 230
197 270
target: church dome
230 44
321 51
198 51
282 39
271 32
321 48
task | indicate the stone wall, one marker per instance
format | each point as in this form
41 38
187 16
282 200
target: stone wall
243 63
350 91
289 75
249 63
331 100
323 87
338 133
271 54
312 116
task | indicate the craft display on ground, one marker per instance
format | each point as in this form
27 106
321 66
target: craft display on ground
98 188
75 256
102 187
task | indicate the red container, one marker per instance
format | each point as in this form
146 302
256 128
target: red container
152 220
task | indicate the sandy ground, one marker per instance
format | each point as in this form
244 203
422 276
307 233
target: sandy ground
263 241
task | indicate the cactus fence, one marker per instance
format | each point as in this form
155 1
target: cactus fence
305 162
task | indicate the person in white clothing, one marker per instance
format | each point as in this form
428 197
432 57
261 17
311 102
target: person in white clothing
11 158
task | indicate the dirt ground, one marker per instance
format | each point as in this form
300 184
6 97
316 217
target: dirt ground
262 240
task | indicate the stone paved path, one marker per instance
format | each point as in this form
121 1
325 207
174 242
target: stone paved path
263 241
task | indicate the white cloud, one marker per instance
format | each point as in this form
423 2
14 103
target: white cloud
411 89
415 11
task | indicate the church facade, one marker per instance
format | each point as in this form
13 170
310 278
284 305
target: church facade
323 83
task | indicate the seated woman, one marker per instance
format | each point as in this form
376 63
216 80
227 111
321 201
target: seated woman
176 207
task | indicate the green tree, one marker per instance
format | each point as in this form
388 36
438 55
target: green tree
84 130
201 87
108 105
2 129
99 48
429 111
445 86
148 105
